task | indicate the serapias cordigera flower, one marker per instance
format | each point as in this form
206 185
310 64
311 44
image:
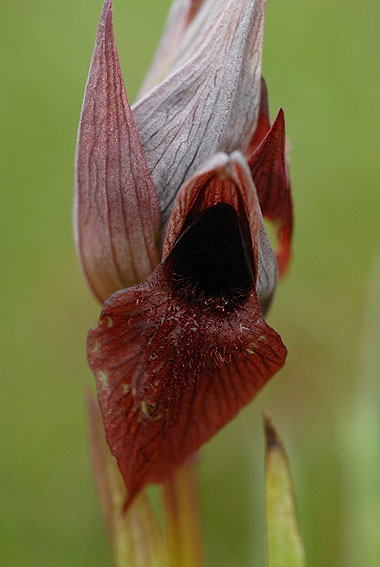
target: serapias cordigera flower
183 178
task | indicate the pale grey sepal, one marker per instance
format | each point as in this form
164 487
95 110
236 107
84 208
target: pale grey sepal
209 103
188 21
167 51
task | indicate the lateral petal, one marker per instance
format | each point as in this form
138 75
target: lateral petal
202 107
171 374
116 210
270 174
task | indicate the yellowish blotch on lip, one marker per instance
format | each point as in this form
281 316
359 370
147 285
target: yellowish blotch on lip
96 347
159 416
253 347
103 379
126 388
109 321
146 412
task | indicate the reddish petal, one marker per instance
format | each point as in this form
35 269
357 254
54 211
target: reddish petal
270 174
171 373
116 208
263 122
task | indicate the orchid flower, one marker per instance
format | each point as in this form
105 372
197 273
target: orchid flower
171 193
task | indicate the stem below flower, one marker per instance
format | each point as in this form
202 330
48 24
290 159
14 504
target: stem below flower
182 516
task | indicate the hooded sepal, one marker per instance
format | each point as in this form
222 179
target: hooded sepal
116 210
202 107
177 357
270 173
227 179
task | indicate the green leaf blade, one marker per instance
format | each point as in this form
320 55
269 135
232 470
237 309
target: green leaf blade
285 548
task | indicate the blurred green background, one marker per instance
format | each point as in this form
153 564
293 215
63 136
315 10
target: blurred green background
321 63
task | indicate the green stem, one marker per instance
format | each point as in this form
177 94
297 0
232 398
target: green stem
182 515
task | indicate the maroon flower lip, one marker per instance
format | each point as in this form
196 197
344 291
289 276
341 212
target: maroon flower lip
177 356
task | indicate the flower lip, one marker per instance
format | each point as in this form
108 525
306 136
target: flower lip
212 261
177 356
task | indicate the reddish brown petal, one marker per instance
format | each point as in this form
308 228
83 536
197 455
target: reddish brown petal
270 174
116 209
263 122
171 373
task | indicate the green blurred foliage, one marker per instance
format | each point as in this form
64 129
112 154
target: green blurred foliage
321 64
